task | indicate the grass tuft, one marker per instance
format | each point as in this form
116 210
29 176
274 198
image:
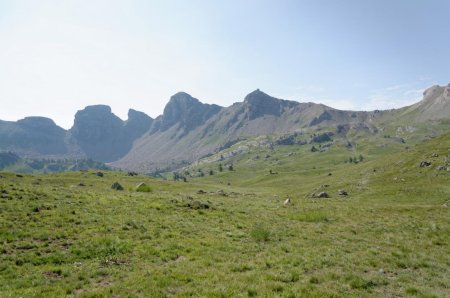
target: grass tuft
260 234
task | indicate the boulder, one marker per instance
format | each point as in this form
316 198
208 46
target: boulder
342 192
322 194
221 192
117 186
424 163
198 205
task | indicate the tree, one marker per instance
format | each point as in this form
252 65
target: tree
230 167
220 167
361 158
211 172
313 149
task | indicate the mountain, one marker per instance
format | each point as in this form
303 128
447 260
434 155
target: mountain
172 137
186 112
103 136
33 136
189 129
97 133
434 106
175 144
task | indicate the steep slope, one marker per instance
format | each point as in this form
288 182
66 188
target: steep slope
434 106
97 133
172 135
189 130
105 137
185 112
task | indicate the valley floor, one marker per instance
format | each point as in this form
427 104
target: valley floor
230 234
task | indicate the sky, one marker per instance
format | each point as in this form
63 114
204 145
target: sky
56 57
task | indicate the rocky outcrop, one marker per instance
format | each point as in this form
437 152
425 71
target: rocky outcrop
186 112
105 137
257 104
434 106
137 124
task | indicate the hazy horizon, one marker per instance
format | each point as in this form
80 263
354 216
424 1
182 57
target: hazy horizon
58 57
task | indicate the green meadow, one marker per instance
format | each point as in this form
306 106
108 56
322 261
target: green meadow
230 234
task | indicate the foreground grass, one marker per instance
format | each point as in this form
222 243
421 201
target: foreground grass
72 235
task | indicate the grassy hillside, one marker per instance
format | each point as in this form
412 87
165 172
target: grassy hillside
11 162
229 234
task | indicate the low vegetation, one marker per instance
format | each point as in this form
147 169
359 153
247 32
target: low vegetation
232 233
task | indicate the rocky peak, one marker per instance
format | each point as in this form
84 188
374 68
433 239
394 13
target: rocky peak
259 104
435 104
183 99
94 112
38 122
433 92
186 110
447 92
94 123
137 124
137 115
104 136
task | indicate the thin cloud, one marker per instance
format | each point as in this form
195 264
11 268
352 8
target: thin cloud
396 96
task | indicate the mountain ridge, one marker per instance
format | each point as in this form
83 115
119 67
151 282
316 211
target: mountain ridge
189 129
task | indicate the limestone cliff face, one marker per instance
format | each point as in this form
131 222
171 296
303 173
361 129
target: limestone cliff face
103 136
137 124
258 104
186 112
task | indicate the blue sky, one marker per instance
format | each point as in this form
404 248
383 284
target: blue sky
58 56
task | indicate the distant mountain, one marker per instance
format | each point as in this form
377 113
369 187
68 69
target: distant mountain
175 143
97 133
189 129
103 136
434 106
33 136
